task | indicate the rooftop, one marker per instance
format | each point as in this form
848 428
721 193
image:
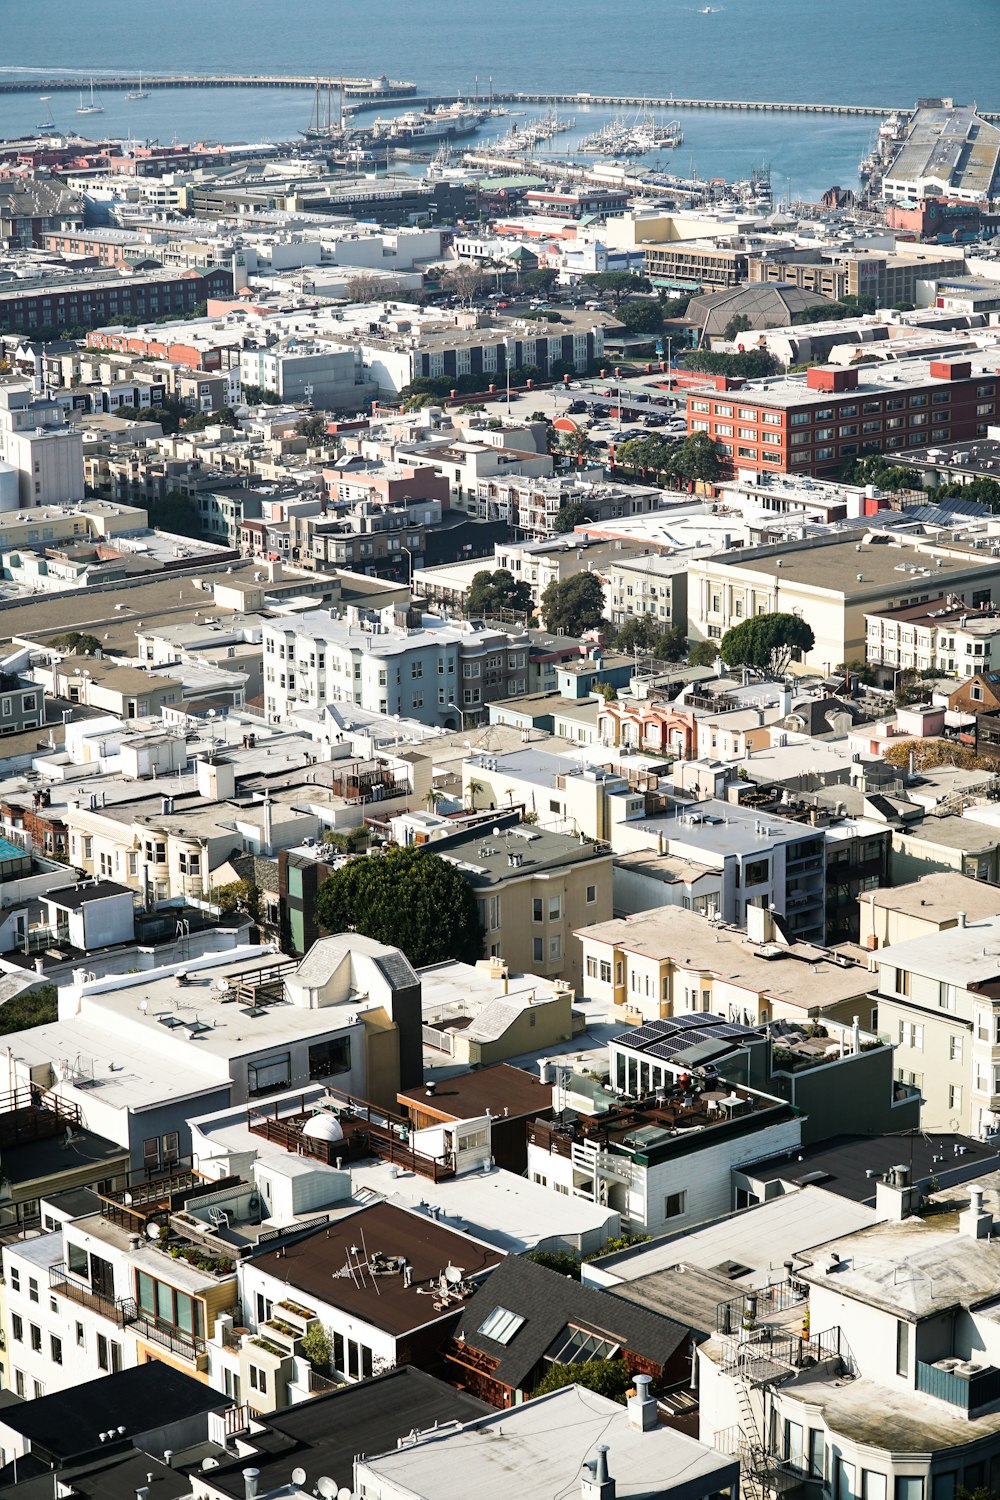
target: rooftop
500 1089
850 1165
515 853
938 898
545 1444
322 1265
884 564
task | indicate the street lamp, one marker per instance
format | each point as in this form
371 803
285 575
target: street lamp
506 360
410 556
461 712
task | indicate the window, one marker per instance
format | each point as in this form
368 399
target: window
81 1337
258 1379
902 982
845 1481
501 1325
17 1327
55 1345
591 894
15 1279
555 908
817 1455
166 1305
19 1383
955 1048
537 950
32 1289
792 1450
36 1337
575 1346
674 1205
911 1035
330 1057
954 1096
591 968
909 1487
902 1348
269 1074
537 909
605 972
944 1486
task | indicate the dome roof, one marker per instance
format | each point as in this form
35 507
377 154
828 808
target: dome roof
323 1127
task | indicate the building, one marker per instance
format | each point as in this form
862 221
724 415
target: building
835 584
937 1000
22 704
894 914
886 276
36 1163
888 1388
46 453
509 1096
764 862
812 425
415 666
526 1318
948 150
942 636
32 208
572 1442
534 889
662 963
663 1163
481 1014
392 1303
696 265
531 505
56 302
654 588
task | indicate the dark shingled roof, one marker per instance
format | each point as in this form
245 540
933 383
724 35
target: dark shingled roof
548 1302
66 1426
324 1435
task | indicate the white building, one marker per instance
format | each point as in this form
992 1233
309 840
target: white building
47 454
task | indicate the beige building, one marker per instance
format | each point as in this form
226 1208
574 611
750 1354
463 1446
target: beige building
833 584
939 1002
657 964
895 914
588 800
481 1014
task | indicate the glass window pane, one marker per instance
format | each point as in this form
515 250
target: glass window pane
147 1294
845 1481
164 1302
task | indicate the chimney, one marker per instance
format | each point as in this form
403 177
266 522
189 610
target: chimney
961 918
642 1413
595 1482
268 830
250 1478
976 1220
894 1196
856 1035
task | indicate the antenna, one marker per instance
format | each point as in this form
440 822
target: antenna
298 1476
452 1275
327 1488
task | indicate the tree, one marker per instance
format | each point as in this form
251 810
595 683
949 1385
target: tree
579 444
407 898
492 593
312 428
735 326
652 454
880 470
984 491
671 645
33 1007
199 420
76 644
571 514
315 1345
674 307
752 364
608 1377
370 289
703 654
616 284
574 605
465 280
637 634
174 513
542 280
695 458
641 315
766 643
238 896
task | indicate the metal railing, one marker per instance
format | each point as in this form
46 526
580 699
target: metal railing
765 1355
118 1310
777 1296
176 1340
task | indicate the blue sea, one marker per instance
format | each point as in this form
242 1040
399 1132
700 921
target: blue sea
819 50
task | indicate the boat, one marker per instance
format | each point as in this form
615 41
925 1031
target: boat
138 92
322 126
443 123
94 107
621 137
47 127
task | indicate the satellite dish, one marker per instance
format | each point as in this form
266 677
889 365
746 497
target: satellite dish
328 1488
344 1494
298 1476
153 1231
452 1275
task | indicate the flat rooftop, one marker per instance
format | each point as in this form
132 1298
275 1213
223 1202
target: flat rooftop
884 564
501 1089
938 898
850 1165
320 1267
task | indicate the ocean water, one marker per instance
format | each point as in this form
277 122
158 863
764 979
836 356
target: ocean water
818 50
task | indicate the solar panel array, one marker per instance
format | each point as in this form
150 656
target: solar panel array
665 1038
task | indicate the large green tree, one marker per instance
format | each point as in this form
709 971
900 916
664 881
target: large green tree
616 284
766 643
574 605
572 514
492 592
641 315
609 1377
753 364
413 900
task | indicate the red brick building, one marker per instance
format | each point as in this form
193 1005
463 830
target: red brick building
815 425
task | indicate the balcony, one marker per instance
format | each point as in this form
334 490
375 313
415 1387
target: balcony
117 1310
967 1385
189 1346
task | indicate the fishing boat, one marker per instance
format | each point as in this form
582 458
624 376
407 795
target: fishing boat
94 107
138 92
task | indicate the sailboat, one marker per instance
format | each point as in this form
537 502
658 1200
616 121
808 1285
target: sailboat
47 126
94 107
138 92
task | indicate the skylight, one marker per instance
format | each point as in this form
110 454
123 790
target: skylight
575 1347
502 1325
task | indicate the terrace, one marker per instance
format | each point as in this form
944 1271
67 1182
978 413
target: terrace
345 1129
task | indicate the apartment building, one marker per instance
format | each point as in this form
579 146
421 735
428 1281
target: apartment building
835 584
871 1367
894 914
695 265
531 505
652 588
46 453
419 667
812 426
937 999
57 302
884 275
942 636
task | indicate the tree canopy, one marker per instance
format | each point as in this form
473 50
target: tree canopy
574 605
77 643
765 643
752 364
617 284
572 514
695 457
703 654
492 593
35 1007
608 1377
881 470
642 633
312 428
641 315
410 899
174 513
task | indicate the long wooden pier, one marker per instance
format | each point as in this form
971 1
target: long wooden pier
371 91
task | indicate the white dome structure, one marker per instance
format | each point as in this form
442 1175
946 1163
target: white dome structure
324 1127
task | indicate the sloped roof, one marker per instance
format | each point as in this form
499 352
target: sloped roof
767 304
